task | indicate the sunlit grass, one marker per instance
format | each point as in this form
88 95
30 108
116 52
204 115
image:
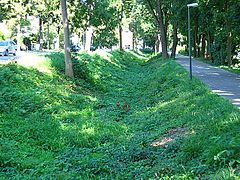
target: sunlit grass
140 55
234 68
41 63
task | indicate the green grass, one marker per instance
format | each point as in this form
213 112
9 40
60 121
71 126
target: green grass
234 68
124 116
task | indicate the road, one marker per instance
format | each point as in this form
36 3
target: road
222 82
6 59
21 56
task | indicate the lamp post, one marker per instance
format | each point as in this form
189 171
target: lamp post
189 36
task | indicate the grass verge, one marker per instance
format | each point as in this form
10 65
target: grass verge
122 117
234 68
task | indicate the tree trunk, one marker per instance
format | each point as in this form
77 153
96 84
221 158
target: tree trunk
133 43
166 22
195 43
194 46
68 61
120 28
209 46
198 45
229 44
175 41
19 34
57 40
40 39
162 29
48 35
120 38
88 39
133 40
221 55
84 40
157 44
203 49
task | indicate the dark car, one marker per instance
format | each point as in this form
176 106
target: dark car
75 48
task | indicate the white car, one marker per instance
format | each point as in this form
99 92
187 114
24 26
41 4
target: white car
8 47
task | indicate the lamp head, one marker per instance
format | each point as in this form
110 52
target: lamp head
192 5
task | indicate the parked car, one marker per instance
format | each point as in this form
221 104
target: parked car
75 48
93 48
8 47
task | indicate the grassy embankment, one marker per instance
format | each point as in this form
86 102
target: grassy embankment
122 117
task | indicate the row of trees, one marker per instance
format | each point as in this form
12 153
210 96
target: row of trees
160 24
17 11
215 27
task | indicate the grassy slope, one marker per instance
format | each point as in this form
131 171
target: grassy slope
109 122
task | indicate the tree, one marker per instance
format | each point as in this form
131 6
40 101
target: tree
100 16
16 10
68 61
215 30
157 11
3 9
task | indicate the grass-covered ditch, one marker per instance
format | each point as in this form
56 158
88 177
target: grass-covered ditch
124 116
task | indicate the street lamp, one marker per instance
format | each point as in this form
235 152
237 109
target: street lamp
189 36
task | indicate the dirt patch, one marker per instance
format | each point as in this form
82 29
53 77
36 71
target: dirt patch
170 136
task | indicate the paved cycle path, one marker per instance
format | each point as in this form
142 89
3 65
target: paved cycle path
222 82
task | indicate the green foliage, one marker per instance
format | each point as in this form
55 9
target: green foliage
2 37
124 116
98 14
147 51
234 68
184 52
28 41
105 38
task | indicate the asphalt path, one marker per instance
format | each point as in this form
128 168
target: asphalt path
21 56
222 82
6 59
